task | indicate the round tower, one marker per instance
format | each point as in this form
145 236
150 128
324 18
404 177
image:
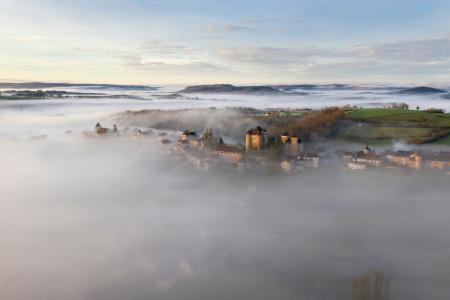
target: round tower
284 138
248 141
418 161
258 141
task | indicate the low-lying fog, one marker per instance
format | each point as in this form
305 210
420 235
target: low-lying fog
114 219
376 96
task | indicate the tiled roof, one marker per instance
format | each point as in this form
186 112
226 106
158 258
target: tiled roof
227 149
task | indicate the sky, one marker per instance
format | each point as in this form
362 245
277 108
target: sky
211 41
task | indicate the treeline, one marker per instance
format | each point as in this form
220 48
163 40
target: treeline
306 125
320 123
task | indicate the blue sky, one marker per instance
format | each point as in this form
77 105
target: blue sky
211 41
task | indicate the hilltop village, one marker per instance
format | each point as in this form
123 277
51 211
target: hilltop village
285 153
259 151
263 152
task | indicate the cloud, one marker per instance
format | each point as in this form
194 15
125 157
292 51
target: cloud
140 62
184 270
417 51
268 55
404 57
156 46
396 59
226 28
144 225
162 285
273 20
425 50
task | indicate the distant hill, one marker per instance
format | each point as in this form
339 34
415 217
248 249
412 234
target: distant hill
228 88
421 90
46 85
288 87
280 88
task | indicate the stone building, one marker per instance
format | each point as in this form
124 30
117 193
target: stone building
99 129
293 146
408 159
371 159
287 166
188 136
437 161
255 139
228 152
208 134
362 159
309 160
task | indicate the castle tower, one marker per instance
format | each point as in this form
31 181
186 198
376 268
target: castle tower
208 135
248 141
257 141
284 138
417 161
254 139
296 145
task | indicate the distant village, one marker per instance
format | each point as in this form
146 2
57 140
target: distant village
261 151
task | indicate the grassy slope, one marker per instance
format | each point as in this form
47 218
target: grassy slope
386 132
444 141
410 125
396 116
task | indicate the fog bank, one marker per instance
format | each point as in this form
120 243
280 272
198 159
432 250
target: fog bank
114 219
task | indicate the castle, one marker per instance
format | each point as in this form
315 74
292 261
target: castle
255 139
100 130
292 144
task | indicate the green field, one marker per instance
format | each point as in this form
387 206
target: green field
400 116
444 141
371 132
380 124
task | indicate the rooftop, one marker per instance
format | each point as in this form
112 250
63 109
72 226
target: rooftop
224 148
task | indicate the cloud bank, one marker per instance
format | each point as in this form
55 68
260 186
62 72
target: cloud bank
114 219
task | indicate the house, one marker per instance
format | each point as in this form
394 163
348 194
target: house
356 166
408 159
228 152
292 144
440 160
369 158
287 166
349 156
188 136
99 129
140 134
310 160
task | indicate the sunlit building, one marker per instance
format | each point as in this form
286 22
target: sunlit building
255 139
408 159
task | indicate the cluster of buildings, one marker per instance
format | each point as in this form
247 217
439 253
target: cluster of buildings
409 159
286 153
100 130
259 151
282 153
